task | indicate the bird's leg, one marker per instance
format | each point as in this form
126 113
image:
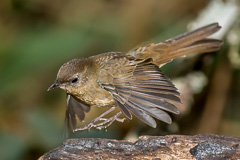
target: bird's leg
103 122
107 122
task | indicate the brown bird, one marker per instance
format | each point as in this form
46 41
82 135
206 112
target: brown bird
132 81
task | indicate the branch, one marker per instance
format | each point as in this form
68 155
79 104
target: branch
200 147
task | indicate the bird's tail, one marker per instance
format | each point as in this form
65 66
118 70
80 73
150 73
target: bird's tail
195 41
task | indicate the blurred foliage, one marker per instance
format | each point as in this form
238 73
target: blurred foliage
38 36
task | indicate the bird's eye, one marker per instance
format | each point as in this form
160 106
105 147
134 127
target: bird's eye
74 80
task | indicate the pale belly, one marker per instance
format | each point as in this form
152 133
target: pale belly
96 97
99 100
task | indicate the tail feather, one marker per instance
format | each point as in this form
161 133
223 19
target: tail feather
202 46
188 38
192 42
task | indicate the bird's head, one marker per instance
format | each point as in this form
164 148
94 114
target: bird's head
71 76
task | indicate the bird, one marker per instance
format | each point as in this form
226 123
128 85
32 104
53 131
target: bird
131 81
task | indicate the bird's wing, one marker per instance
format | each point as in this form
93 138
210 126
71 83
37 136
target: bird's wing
195 41
138 86
74 109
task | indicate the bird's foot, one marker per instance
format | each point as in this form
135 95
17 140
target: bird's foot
102 123
106 122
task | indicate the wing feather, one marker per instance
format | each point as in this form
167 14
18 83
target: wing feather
142 90
122 107
143 116
74 109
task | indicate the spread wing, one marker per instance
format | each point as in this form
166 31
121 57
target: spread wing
74 109
192 42
139 87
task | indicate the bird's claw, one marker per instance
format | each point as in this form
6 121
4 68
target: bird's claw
102 123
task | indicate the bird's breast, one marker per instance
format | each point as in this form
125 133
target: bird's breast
95 96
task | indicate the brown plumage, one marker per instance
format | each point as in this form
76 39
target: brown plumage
132 81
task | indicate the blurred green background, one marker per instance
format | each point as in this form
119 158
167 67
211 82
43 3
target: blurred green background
38 36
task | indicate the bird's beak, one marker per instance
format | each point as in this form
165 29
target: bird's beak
53 86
